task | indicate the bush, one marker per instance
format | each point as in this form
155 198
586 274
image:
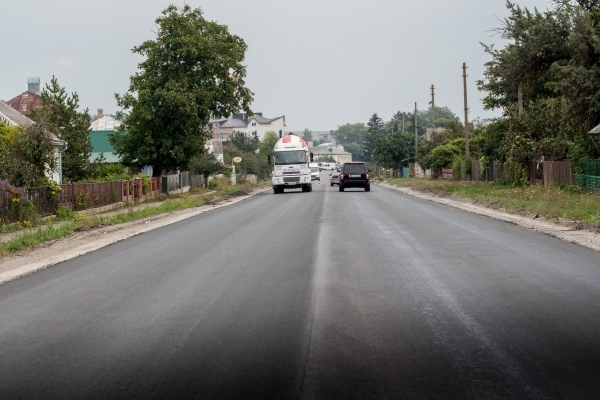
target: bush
81 200
14 207
212 184
63 212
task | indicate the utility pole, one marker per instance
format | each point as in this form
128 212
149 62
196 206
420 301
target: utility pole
520 88
416 137
466 112
433 106
403 122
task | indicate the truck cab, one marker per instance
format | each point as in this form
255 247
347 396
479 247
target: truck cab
291 160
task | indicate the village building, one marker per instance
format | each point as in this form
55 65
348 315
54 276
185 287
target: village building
28 100
256 126
335 152
100 128
12 117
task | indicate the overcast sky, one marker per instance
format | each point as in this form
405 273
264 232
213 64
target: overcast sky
321 63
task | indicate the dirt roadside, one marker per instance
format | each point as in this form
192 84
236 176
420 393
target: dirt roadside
570 231
80 243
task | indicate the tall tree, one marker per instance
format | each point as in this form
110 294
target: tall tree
267 144
307 134
352 137
59 113
192 69
553 59
374 132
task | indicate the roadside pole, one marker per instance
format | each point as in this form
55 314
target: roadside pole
466 112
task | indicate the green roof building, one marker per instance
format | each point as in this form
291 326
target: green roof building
99 131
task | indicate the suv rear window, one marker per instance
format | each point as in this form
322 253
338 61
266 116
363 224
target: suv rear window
355 168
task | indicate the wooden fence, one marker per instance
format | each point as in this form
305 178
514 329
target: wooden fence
551 172
84 196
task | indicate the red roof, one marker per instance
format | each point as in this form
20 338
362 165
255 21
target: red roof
22 102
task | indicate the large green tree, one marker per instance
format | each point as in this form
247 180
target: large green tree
394 151
352 137
59 114
553 58
192 69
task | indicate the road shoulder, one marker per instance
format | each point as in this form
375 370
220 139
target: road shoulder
572 233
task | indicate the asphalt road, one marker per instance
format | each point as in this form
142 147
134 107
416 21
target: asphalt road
322 295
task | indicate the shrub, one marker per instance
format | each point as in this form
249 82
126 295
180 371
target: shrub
212 184
53 190
63 212
14 207
81 200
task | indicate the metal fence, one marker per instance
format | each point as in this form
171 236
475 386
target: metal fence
590 176
170 183
196 181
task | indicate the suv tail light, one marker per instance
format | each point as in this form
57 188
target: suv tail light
367 175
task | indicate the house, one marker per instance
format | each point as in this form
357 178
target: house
99 131
255 125
12 117
336 152
29 100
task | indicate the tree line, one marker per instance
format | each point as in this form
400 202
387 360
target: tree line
551 61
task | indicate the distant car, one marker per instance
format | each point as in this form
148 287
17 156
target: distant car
354 174
315 173
334 178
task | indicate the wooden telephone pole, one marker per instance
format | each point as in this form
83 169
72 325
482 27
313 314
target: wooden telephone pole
466 112
416 137
433 106
520 88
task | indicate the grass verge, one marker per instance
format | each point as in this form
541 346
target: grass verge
81 222
563 201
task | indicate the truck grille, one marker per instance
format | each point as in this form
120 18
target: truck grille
291 179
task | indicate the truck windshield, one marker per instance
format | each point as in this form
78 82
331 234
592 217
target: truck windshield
290 157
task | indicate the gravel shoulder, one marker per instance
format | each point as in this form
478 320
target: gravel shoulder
570 231
80 243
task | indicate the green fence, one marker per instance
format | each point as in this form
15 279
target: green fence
590 176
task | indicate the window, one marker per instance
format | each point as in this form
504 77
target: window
255 133
254 124
222 135
280 134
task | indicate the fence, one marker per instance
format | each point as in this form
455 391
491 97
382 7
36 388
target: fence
590 176
196 181
83 196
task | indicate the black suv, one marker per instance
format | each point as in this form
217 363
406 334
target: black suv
354 174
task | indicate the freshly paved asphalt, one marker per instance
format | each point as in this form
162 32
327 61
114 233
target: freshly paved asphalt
323 295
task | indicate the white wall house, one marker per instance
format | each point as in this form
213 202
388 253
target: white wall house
256 126
12 117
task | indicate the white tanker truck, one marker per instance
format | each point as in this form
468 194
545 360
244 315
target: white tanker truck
290 161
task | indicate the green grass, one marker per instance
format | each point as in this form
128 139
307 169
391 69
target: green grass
85 222
550 202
